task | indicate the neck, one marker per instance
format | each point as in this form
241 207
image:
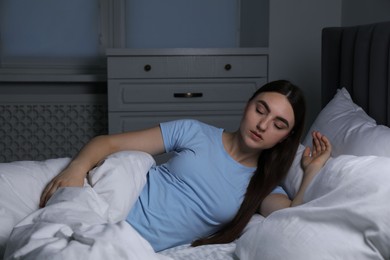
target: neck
236 148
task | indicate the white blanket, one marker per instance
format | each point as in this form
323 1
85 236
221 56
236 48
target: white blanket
74 226
77 223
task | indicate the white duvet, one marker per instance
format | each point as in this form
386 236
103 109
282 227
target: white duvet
77 223
74 225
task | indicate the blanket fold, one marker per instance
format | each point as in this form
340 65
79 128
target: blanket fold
74 225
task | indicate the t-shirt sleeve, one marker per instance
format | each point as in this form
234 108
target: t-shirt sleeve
279 190
178 133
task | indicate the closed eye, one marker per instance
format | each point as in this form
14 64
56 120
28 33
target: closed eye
261 110
280 125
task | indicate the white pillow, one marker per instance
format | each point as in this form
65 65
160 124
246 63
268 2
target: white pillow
350 129
117 179
345 216
293 180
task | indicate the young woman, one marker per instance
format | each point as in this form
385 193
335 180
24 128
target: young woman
216 180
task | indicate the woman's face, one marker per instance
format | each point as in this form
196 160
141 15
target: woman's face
268 120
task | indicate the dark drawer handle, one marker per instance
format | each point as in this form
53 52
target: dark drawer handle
147 67
188 95
228 67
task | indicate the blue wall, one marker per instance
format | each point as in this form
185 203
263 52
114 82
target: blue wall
182 23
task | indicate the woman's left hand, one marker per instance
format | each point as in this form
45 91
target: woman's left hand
314 159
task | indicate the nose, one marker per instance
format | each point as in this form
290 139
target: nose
263 123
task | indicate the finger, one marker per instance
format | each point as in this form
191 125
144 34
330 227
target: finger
44 194
48 193
43 200
316 143
306 152
321 144
326 142
313 134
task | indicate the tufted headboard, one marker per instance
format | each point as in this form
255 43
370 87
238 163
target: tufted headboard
358 58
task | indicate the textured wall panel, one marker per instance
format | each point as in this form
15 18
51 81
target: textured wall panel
38 131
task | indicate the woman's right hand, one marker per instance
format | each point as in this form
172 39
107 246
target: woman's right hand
148 140
69 177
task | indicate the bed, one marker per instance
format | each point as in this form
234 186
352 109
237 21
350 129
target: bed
345 214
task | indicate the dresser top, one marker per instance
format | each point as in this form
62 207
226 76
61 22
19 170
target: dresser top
186 51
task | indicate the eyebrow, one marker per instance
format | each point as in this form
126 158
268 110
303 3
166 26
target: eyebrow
269 110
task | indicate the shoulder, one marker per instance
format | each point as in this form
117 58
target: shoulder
186 124
187 133
186 129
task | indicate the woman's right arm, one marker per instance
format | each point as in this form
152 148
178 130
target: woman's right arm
148 140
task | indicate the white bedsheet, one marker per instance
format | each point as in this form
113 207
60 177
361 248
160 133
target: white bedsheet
206 252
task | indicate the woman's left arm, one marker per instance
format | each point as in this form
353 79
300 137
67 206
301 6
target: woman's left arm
274 202
312 161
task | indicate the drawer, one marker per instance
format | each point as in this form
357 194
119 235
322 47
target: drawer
180 95
224 66
127 121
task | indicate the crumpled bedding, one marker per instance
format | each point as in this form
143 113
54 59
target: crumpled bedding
74 225
346 215
78 222
82 223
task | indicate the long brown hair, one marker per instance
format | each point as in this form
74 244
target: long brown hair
272 166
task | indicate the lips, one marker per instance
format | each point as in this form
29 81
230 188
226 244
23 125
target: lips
256 135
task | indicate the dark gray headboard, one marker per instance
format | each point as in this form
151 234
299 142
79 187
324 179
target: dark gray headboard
358 58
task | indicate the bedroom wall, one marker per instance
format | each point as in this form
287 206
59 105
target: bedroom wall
182 24
295 44
295 38
355 12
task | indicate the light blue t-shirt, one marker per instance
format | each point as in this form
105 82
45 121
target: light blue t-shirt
191 195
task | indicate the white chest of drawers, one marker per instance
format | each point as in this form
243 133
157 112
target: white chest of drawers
149 86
